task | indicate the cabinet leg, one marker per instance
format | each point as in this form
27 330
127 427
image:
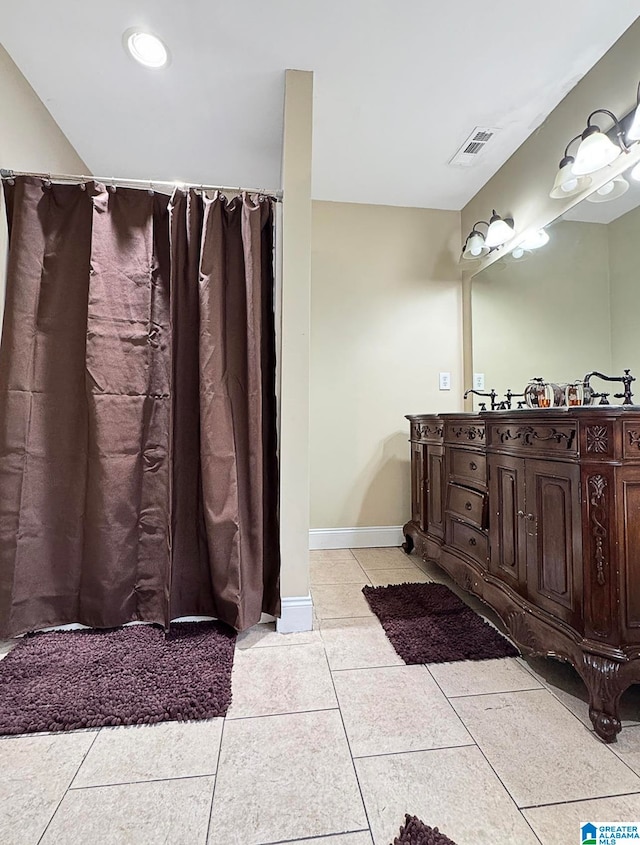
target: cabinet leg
407 546
605 686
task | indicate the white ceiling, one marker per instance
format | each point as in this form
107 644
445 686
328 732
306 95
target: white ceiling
399 85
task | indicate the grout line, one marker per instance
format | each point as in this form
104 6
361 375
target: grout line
215 783
318 836
578 800
136 782
353 764
358 583
275 715
496 692
279 645
29 734
500 781
415 751
351 615
64 794
381 666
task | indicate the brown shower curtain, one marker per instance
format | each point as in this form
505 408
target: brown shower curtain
138 471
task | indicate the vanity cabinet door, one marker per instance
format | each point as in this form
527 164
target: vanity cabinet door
554 538
418 485
507 535
435 491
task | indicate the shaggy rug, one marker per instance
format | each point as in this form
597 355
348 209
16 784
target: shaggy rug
428 623
415 832
64 680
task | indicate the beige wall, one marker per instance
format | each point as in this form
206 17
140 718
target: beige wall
30 139
385 320
548 315
624 236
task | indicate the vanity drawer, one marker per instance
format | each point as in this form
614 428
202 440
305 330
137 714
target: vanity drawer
469 540
468 467
468 505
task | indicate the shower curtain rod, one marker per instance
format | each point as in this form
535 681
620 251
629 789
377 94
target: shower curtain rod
143 183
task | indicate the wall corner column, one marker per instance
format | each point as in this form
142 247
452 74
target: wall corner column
295 251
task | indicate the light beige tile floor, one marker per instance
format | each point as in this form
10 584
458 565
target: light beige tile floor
331 739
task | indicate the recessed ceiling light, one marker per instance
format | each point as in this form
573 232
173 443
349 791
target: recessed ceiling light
146 48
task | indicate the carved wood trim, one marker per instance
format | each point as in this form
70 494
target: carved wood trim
422 431
528 435
469 432
597 439
634 438
602 678
598 517
518 625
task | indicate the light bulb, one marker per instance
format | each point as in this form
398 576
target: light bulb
535 240
147 49
569 186
518 252
606 189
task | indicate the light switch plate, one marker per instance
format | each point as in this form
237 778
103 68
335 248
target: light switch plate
478 381
445 381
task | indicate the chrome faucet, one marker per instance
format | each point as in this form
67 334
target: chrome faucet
511 395
626 379
483 405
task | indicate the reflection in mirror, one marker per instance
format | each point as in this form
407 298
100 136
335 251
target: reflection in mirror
566 309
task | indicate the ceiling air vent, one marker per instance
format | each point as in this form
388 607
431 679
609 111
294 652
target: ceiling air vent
473 147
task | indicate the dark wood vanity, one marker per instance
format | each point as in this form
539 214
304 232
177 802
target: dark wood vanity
537 512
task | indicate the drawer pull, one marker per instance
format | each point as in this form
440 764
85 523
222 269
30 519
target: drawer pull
468 506
473 465
473 541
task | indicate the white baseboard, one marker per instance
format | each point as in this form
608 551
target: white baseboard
296 615
356 538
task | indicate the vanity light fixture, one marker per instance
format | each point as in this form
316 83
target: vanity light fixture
567 183
535 240
500 230
596 149
475 246
610 190
146 48
517 254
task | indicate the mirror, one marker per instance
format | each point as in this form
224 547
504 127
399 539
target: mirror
567 308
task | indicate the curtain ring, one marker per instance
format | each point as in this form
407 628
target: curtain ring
111 187
150 190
